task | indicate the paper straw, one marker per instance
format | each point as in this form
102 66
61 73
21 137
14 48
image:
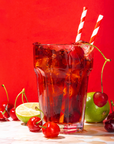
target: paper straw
82 20
95 31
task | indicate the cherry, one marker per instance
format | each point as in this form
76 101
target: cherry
3 114
74 117
6 107
110 116
109 125
13 114
12 111
77 53
6 104
50 130
34 124
109 122
100 99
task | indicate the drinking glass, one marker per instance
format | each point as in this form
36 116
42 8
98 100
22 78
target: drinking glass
62 72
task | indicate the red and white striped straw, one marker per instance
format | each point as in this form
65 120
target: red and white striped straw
95 31
82 20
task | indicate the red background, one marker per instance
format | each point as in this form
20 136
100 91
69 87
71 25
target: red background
50 21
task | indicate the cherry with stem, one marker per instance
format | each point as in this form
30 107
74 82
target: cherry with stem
6 107
6 104
3 114
100 98
35 123
12 111
50 129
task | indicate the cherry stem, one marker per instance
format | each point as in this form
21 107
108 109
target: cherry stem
42 126
102 75
25 96
22 92
3 112
106 60
41 112
22 98
6 92
101 53
112 104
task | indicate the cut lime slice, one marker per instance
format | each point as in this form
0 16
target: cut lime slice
27 110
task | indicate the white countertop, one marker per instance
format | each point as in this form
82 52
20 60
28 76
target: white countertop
13 132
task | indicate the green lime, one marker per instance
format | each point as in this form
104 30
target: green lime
93 113
27 110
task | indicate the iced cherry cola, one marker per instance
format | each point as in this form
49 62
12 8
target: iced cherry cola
62 72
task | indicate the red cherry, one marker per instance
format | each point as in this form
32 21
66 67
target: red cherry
109 125
100 99
6 115
7 106
110 116
50 130
77 53
74 117
34 124
13 114
3 114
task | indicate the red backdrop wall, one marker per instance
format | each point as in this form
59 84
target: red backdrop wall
49 21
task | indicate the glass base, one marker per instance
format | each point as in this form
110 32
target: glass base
71 128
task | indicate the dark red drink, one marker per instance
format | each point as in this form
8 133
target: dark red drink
62 76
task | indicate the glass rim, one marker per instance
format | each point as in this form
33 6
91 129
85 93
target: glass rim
57 44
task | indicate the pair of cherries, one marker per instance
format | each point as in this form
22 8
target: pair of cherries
49 129
7 110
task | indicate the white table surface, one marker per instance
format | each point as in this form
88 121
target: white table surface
13 132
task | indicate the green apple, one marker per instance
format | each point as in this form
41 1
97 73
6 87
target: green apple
93 113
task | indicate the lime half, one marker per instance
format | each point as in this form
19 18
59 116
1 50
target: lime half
27 110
